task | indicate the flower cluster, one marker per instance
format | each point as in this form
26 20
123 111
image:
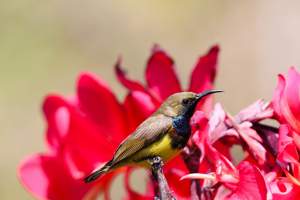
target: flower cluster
84 131
269 168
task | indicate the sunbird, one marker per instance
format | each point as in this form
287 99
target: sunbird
163 134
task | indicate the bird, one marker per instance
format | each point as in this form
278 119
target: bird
163 134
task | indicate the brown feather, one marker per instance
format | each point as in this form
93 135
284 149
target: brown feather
147 133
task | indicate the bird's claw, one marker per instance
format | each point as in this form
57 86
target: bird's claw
157 159
156 163
157 172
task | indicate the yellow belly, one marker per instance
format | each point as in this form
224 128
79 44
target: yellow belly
161 148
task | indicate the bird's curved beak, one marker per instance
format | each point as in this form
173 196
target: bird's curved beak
205 93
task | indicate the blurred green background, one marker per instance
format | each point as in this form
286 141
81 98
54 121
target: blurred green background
45 44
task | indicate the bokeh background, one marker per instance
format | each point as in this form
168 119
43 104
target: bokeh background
45 44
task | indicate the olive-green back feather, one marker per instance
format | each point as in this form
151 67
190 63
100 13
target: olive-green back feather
147 133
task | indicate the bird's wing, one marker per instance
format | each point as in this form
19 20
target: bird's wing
148 132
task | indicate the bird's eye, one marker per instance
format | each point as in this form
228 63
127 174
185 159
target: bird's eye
185 101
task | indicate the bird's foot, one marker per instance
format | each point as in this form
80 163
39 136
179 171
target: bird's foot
156 163
164 190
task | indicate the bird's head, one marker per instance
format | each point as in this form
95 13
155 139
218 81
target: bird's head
183 103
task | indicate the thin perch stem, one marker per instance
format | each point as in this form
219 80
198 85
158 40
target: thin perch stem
191 156
164 190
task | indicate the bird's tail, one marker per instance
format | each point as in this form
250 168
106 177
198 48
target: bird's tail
96 174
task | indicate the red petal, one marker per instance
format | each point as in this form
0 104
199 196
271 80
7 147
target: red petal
33 176
173 171
200 127
129 84
206 104
277 97
251 184
46 178
56 112
100 105
223 166
296 138
283 189
288 154
131 194
225 148
257 111
217 126
287 151
86 147
292 95
160 75
204 73
292 91
286 99
199 121
138 106
253 140
73 135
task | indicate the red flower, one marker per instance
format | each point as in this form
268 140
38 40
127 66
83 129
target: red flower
215 138
270 168
83 132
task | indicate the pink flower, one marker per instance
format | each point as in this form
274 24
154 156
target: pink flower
283 181
223 128
84 131
215 138
286 102
270 166
243 182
